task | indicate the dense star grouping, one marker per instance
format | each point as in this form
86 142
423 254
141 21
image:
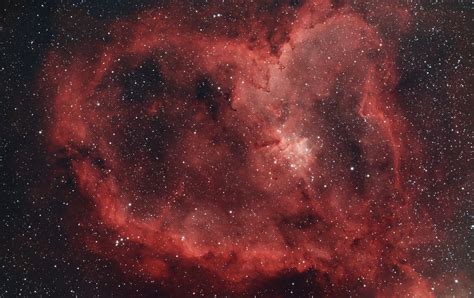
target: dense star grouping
223 148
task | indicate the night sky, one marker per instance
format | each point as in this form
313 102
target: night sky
236 148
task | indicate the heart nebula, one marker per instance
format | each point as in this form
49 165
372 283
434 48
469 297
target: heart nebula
230 147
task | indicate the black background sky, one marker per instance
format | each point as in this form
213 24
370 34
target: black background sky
36 257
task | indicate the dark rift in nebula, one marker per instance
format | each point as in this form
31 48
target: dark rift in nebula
244 145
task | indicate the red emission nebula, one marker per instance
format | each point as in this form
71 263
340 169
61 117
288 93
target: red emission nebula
230 145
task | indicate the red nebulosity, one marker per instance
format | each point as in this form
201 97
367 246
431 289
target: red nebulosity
242 143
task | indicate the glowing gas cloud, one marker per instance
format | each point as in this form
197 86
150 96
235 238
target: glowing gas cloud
230 146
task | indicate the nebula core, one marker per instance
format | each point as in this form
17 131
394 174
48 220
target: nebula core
220 148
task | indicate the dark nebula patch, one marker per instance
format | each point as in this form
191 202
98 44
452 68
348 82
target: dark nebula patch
238 148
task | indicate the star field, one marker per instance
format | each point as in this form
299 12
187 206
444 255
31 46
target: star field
237 148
